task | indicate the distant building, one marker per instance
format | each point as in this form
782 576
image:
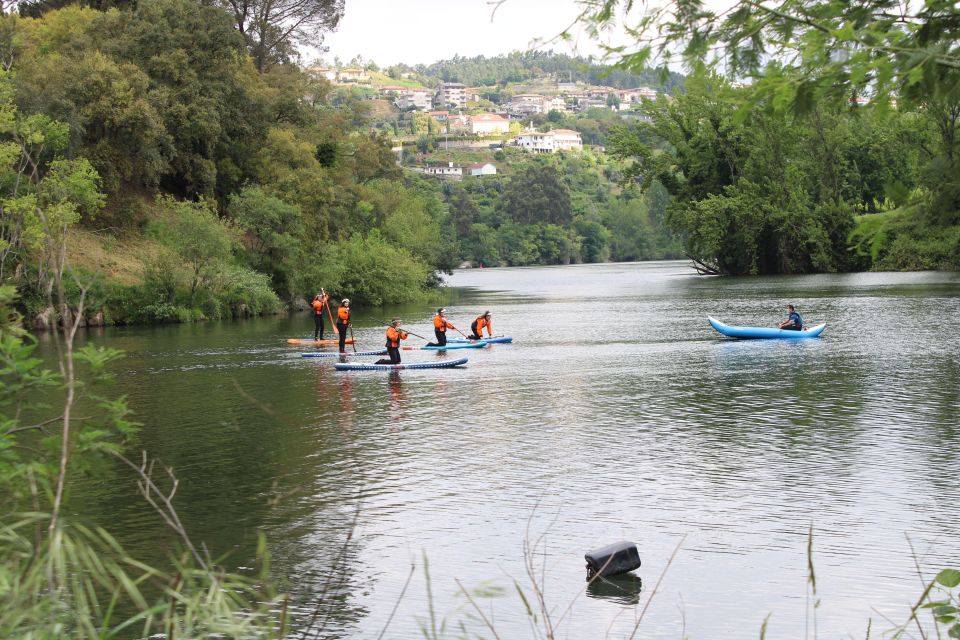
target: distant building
489 124
555 103
483 169
635 96
458 123
566 140
535 142
322 72
449 170
420 99
451 94
391 90
440 116
352 75
550 142
525 104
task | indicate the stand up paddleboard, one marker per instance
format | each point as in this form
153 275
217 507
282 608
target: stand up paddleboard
479 344
443 364
316 342
337 354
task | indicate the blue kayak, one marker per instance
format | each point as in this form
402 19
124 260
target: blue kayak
497 340
442 364
337 354
764 332
450 345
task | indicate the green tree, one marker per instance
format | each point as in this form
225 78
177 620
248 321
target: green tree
203 242
272 232
272 28
537 194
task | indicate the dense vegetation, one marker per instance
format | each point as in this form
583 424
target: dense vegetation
252 187
852 110
557 209
520 67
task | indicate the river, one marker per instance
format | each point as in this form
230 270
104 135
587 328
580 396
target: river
616 414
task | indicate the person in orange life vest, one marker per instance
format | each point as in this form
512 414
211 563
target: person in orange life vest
343 321
394 336
477 327
440 326
319 301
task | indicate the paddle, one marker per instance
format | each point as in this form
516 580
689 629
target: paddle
463 334
333 324
353 341
387 324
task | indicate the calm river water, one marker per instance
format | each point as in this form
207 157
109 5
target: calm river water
618 413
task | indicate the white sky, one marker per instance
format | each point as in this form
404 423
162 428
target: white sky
424 31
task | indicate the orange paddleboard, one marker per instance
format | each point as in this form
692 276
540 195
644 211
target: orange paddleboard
309 341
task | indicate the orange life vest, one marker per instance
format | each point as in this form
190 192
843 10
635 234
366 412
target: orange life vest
394 336
343 315
482 322
440 323
318 306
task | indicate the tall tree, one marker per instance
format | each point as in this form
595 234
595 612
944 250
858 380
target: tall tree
537 194
272 28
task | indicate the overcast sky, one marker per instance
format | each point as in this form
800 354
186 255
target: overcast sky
424 31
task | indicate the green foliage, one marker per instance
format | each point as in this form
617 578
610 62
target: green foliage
520 66
810 62
368 269
201 240
272 232
752 192
537 194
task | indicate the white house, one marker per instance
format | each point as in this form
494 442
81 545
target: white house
551 141
483 170
535 142
453 94
566 140
420 99
323 72
449 170
489 124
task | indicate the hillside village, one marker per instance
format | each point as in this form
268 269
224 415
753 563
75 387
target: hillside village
525 115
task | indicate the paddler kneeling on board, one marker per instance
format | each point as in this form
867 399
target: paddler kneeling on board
318 303
394 335
477 327
440 326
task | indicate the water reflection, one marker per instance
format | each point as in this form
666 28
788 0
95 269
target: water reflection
395 384
624 589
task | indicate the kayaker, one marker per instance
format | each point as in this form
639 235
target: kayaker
440 326
394 336
793 322
477 327
318 303
343 322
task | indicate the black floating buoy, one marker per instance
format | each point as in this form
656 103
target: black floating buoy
612 560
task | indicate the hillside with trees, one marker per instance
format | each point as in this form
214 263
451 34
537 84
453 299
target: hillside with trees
241 183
